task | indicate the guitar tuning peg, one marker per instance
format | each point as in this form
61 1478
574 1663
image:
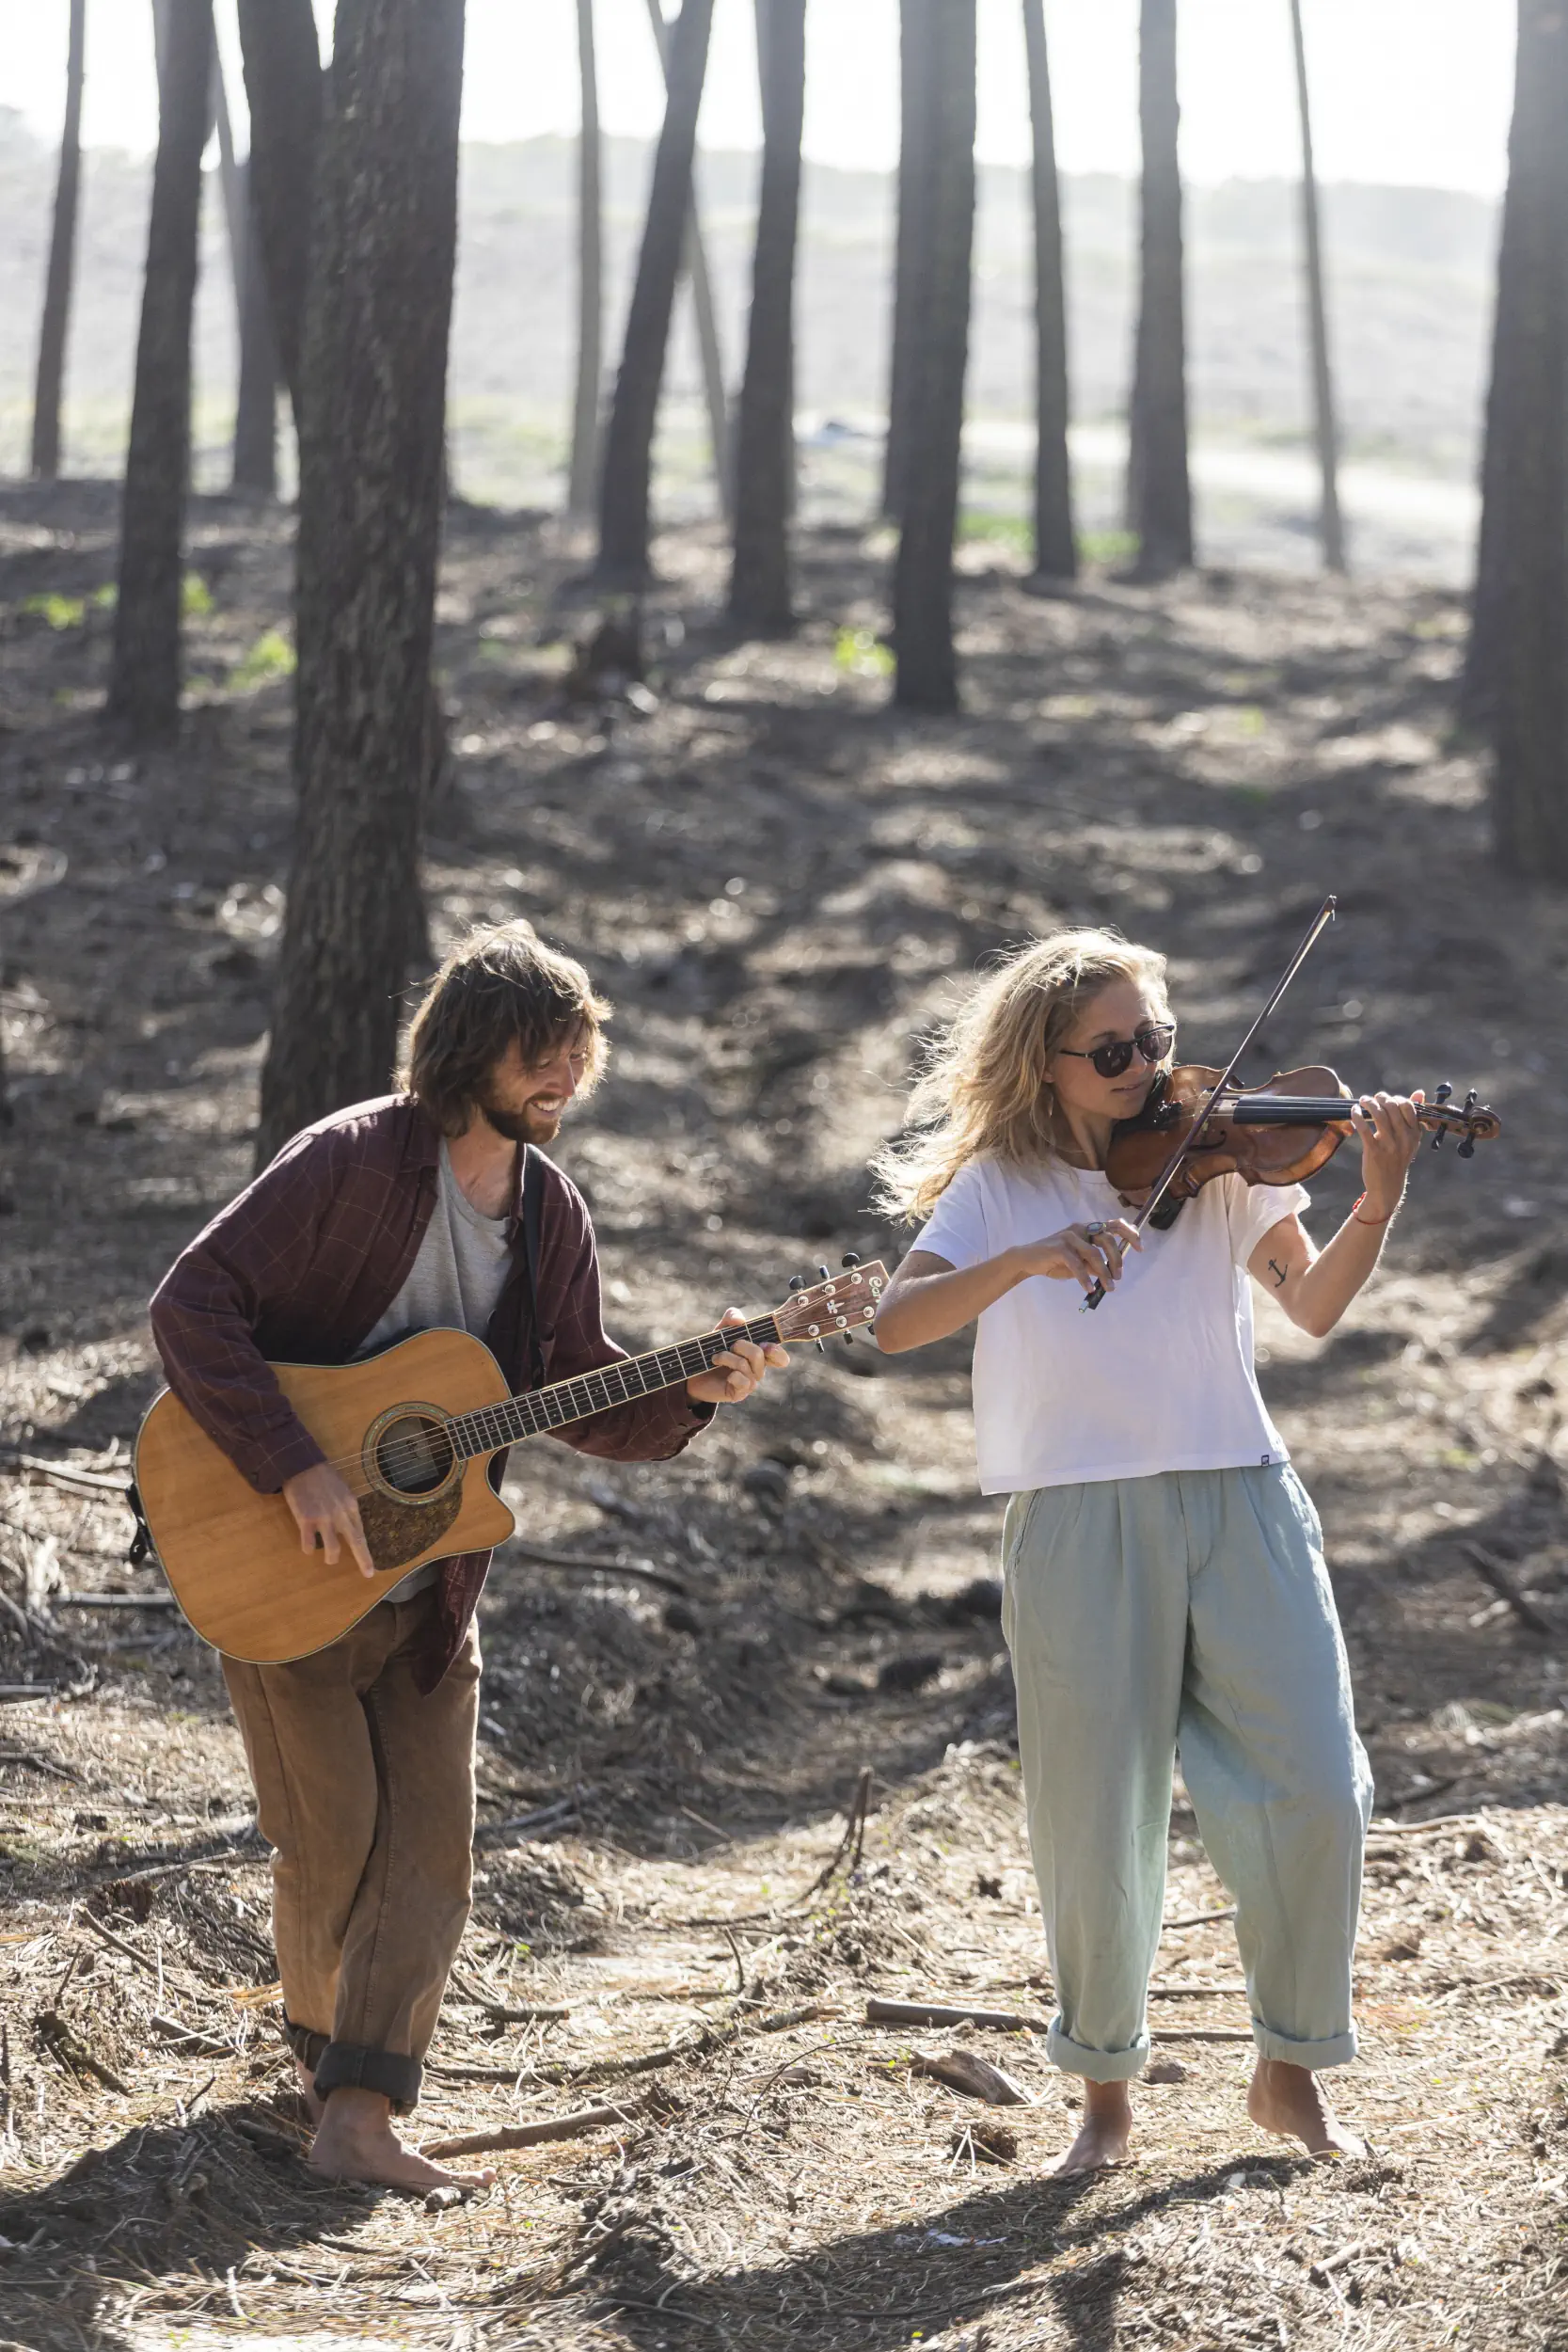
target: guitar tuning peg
850 1259
797 1281
848 1339
823 1274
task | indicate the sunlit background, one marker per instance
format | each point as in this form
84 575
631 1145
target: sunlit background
1411 97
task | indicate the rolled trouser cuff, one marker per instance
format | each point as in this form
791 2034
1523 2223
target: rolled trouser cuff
1099 2066
1336 2050
348 2066
308 2046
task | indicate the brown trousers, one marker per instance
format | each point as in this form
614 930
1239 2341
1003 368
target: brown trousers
366 1795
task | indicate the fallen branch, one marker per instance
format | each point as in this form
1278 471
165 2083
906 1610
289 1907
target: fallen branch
582 1563
530 2014
880 2013
113 1600
1493 1574
199 2044
530 2135
1419 1829
850 1845
1200 1919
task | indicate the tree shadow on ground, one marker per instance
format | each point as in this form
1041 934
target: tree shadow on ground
857 2291
176 2200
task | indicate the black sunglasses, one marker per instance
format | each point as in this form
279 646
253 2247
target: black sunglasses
1153 1042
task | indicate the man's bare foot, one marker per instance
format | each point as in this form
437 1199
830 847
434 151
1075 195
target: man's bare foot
1105 2131
355 2142
306 2081
1287 2099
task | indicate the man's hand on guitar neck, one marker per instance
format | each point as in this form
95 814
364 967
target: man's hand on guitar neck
737 1370
325 1509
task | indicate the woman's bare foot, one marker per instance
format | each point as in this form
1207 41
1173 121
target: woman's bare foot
306 2081
355 2142
1106 2129
1287 2099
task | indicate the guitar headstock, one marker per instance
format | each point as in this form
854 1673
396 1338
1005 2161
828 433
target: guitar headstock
1471 1120
838 1304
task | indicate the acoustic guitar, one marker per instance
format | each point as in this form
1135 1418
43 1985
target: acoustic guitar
411 1432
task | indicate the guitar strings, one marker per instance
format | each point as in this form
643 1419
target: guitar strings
405 1452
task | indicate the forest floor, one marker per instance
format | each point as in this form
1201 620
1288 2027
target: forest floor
776 878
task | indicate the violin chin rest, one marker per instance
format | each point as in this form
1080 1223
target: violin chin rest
1167 1213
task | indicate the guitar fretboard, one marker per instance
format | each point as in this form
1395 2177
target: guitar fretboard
491 1426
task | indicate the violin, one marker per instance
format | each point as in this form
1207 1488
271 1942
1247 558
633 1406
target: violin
1275 1133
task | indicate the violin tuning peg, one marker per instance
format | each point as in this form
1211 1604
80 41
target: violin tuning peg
1470 1102
850 1259
1468 1149
1442 1094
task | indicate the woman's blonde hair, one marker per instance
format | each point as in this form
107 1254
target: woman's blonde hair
983 1093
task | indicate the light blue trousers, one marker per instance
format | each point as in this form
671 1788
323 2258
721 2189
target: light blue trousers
1190 1612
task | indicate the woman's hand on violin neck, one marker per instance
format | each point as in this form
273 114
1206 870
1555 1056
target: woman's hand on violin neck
1388 1131
1085 1254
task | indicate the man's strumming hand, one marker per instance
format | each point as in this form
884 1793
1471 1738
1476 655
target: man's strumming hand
323 1507
737 1370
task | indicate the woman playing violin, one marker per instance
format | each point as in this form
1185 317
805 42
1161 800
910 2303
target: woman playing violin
1164 1585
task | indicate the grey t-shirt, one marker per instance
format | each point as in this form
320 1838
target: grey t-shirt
456 1283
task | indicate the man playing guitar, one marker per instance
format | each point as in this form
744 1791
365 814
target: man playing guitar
417 1210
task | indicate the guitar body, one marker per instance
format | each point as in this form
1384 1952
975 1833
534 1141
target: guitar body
233 1557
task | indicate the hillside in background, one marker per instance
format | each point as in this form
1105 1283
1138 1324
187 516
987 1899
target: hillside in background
1410 283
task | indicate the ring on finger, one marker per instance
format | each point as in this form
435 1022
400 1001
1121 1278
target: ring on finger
1092 1233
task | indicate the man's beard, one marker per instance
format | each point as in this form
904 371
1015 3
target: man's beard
525 1126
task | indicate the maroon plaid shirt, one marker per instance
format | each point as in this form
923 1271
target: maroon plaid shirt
309 1259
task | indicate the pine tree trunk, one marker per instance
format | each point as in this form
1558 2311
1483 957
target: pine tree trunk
625 482
1522 603
926 677
62 260
694 266
760 597
911 250
144 667
1159 497
256 410
373 383
583 477
1325 432
1055 544
283 85
1528 365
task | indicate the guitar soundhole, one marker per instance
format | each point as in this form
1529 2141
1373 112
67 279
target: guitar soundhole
413 1454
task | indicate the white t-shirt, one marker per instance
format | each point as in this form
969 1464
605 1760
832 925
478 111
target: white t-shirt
1159 1378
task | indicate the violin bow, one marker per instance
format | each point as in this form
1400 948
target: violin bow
1186 1143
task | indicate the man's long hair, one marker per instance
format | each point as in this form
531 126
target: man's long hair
983 1093
498 987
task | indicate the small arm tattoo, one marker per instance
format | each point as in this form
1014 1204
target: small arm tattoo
1279 1273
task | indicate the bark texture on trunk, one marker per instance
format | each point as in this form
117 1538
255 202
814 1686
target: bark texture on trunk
144 666
256 411
373 387
918 33
1326 433
1528 356
625 480
50 383
760 592
926 677
1521 623
582 480
1159 496
283 85
1056 542
705 317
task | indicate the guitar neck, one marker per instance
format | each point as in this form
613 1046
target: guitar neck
486 1430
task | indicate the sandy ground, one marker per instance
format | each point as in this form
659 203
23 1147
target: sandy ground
777 880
